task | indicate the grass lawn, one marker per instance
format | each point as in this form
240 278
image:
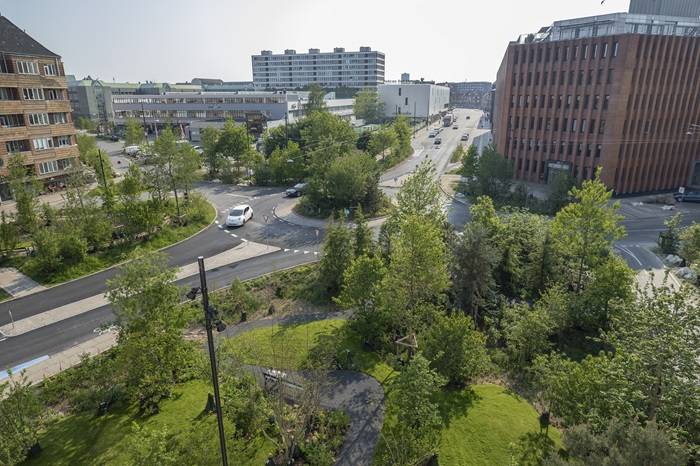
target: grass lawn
86 439
114 255
482 422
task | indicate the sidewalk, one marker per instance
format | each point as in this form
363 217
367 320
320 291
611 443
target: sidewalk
286 214
16 283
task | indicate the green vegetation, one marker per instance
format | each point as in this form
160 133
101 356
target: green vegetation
368 106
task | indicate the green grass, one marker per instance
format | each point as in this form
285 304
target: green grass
111 256
481 423
86 439
4 295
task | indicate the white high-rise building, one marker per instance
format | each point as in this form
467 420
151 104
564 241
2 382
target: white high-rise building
291 70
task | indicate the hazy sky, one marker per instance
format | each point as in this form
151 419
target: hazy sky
177 40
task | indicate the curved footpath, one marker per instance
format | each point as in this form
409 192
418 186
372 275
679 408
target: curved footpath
358 394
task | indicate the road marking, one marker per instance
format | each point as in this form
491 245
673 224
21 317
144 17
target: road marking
624 249
296 251
20 367
234 235
244 240
315 253
239 195
286 250
306 252
216 221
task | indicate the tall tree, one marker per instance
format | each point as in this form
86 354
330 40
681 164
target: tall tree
210 139
350 179
338 252
234 146
364 243
20 411
470 162
403 135
24 189
493 175
316 100
133 132
587 228
159 177
420 194
368 106
382 140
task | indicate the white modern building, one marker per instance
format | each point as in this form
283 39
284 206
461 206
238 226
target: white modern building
417 100
331 70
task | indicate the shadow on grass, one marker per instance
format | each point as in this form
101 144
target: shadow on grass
455 403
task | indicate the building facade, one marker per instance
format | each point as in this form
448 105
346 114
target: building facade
475 95
90 98
35 113
683 8
596 92
415 99
331 70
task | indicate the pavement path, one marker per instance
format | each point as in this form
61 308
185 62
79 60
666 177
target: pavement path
16 283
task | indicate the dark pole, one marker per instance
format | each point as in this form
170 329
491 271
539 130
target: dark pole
212 358
286 134
143 116
108 194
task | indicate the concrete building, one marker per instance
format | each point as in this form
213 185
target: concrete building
35 117
618 91
219 85
405 77
330 70
682 8
90 98
414 99
475 95
185 108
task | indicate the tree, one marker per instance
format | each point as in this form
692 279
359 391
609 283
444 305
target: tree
474 259
234 147
414 436
87 144
560 193
151 349
24 189
364 243
586 229
493 176
149 446
361 281
47 249
133 132
610 285
287 164
455 349
20 411
669 240
350 179
403 135
9 236
420 195
316 100
210 139
159 178
183 169
526 331
368 106
621 443
338 252
381 140
470 162
86 124
689 247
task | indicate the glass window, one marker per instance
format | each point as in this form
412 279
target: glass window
50 70
27 67
48 167
38 119
42 143
33 93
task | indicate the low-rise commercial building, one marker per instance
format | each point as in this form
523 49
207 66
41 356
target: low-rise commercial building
91 99
35 118
414 99
475 95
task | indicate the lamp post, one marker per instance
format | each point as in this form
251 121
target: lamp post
211 320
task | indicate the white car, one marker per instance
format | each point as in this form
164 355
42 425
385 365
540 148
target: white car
132 150
238 215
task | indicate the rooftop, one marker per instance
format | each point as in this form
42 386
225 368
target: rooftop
15 40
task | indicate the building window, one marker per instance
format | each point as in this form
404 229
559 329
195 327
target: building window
54 94
33 93
596 102
11 121
568 101
554 77
606 102
589 77
65 163
58 118
577 104
564 124
42 143
580 77
604 53
27 67
63 141
50 69
598 150
583 126
586 99
585 52
399 92
8 93
17 146
591 128
38 119
610 76
48 167
573 125
594 52
601 127
616 49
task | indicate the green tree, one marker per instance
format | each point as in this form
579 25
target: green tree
151 349
458 154
669 240
420 194
149 446
133 132
368 106
86 124
689 247
9 236
611 284
47 249
338 252
382 140
493 176
587 228
470 162
455 349
24 189
183 169
560 193
403 135
364 243
526 331
325 136
20 411
361 282
234 147
350 179
210 139
316 102
287 164
86 145
158 178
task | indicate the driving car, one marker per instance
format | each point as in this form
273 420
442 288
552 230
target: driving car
455 127
432 133
688 196
296 190
239 215
438 141
132 150
465 137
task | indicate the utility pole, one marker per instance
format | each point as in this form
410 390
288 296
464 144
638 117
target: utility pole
108 194
208 314
286 134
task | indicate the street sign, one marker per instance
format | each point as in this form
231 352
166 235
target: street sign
681 190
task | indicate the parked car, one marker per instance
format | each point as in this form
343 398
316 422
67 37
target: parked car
455 127
438 141
688 196
132 150
468 117
432 133
465 137
114 138
238 215
296 190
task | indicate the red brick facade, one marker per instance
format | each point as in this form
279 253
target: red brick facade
623 103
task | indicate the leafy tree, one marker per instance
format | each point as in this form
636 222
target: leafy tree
316 102
455 349
287 164
364 243
244 404
689 247
47 249
324 136
458 154
338 252
350 179
560 193
470 162
280 136
368 106
493 176
151 348
361 282
622 443
20 412
210 139
403 134
86 124
382 140
183 169
9 236
586 229
526 331
420 194
531 449
87 144
234 147
474 260
24 189
133 132
149 446
669 240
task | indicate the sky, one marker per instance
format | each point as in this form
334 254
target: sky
177 40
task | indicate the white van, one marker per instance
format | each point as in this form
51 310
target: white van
132 150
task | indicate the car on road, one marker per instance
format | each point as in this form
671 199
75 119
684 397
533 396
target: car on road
296 190
465 137
432 133
468 117
455 127
438 141
114 138
132 150
238 215
688 196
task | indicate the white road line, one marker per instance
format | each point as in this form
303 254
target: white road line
220 227
296 251
306 252
624 249
239 195
286 250
315 253
244 240
216 221
234 235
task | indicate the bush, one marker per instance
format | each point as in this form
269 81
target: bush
72 248
47 250
197 209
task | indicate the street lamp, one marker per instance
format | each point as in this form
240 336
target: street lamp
211 318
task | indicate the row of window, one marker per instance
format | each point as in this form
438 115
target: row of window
52 166
28 67
200 100
560 101
533 169
33 119
552 124
566 53
32 93
555 147
578 78
43 143
195 114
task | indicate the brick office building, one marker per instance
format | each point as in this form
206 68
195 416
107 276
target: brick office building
617 91
35 117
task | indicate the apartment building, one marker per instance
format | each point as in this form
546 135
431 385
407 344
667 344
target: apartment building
616 91
330 70
35 113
